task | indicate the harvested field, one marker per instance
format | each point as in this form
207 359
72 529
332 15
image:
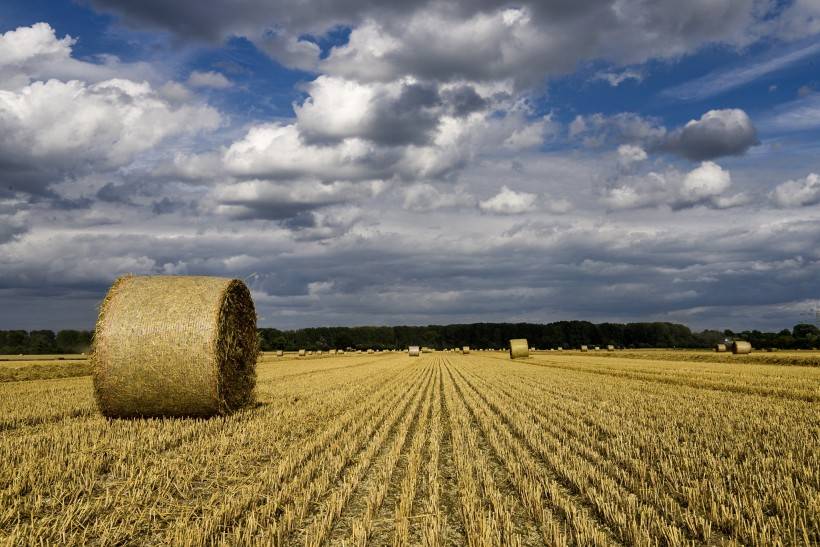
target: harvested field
442 449
797 358
31 369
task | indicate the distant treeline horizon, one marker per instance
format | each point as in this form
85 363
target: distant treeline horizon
567 334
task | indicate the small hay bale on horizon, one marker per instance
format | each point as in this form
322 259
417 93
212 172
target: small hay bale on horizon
414 351
741 347
584 348
720 348
175 346
465 350
610 347
519 348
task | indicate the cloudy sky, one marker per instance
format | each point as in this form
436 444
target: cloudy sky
415 162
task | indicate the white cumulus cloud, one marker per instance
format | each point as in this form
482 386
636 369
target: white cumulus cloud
212 79
509 202
797 193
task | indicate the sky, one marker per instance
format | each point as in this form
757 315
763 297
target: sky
415 162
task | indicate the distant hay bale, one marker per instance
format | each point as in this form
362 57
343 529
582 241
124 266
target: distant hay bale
597 348
519 349
280 353
414 351
720 348
741 347
301 353
559 348
370 351
584 348
340 352
465 350
610 347
175 346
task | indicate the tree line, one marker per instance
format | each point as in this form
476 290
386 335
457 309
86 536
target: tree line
567 334
13 342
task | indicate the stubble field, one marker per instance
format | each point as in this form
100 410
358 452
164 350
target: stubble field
444 449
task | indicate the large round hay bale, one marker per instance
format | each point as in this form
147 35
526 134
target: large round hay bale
414 351
584 348
519 348
465 350
280 353
741 347
175 346
720 348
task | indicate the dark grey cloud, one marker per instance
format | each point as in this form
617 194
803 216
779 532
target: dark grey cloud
464 100
717 133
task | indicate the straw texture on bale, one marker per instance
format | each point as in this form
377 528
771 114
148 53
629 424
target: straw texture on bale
584 348
175 346
519 348
720 348
414 351
741 347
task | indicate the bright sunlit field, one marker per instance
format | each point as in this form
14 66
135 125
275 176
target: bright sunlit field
623 448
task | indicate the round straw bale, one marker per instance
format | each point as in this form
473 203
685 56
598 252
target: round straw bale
465 350
414 351
175 346
301 353
720 348
519 348
584 348
741 346
280 353
370 351
610 347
